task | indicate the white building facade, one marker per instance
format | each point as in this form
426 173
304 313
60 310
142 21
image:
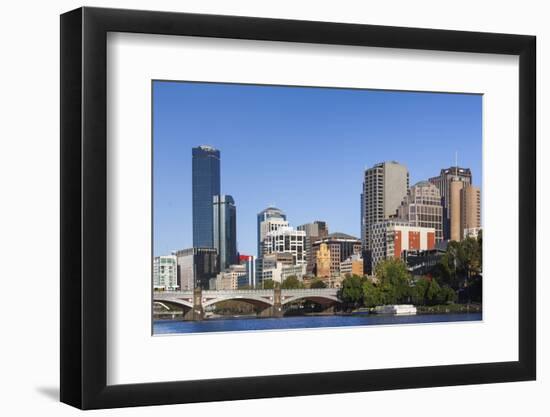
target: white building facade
165 273
287 240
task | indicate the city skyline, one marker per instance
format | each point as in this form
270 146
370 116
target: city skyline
302 149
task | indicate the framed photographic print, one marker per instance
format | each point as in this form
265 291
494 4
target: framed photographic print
258 207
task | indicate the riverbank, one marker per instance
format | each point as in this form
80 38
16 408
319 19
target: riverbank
450 309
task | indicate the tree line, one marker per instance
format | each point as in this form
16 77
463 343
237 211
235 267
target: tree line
455 278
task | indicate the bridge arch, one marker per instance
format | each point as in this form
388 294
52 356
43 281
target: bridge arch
261 302
319 299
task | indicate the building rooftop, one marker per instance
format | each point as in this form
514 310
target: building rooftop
339 235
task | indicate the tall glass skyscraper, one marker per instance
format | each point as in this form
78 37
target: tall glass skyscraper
206 184
225 230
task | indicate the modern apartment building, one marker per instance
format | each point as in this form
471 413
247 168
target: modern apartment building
384 187
422 207
165 276
225 230
340 246
443 183
314 231
206 184
196 267
274 218
389 238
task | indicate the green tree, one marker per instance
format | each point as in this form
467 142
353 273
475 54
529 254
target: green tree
318 283
292 283
426 291
351 292
394 281
269 284
371 294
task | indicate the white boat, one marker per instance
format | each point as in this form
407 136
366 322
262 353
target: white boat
396 309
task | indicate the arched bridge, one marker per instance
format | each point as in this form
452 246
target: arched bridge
272 301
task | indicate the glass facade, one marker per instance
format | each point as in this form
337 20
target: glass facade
225 230
206 184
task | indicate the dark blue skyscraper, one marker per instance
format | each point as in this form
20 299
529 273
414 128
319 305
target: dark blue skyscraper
206 184
225 230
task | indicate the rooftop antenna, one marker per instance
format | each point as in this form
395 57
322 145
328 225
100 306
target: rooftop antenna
456 164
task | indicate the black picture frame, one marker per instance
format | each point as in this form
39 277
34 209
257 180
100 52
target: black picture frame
84 207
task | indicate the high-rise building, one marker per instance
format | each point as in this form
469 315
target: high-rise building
286 240
206 184
443 183
471 210
384 187
165 275
268 220
225 230
196 267
340 247
464 209
314 231
455 209
390 238
422 207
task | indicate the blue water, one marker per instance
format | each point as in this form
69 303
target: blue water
244 324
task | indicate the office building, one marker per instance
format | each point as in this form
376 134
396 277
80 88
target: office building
471 210
422 207
206 184
384 187
196 267
464 209
279 271
273 219
229 279
423 262
352 266
225 230
389 238
165 277
249 261
340 246
314 231
286 240
443 183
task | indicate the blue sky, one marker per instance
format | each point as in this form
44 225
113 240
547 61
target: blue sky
301 149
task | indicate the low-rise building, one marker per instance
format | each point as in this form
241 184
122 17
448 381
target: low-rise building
352 265
229 279
340 246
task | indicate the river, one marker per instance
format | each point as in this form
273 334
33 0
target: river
300 322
